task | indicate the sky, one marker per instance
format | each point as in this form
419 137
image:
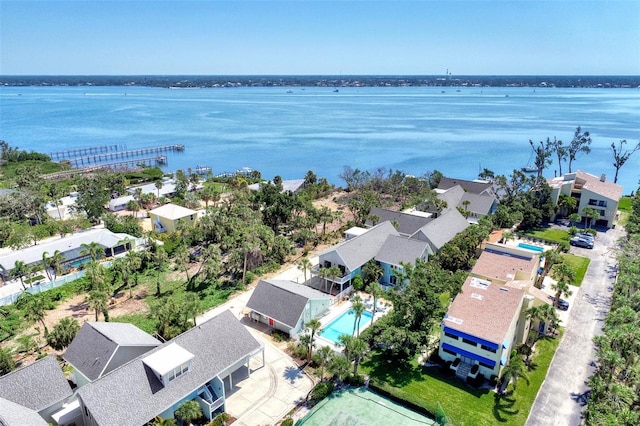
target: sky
209 37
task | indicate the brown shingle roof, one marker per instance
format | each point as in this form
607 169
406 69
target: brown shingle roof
594 184
495 265
486 312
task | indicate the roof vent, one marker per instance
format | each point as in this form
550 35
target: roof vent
603 177
476 296
504 289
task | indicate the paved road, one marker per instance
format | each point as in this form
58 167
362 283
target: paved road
564 392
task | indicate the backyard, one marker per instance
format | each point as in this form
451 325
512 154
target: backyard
428 386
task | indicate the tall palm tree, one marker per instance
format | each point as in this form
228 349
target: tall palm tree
591 214
376 291
339 366
562 289
358 307
99 301
322 357
46 264
564 276
358 350
56 263
19 270
158 185
305 265
551 257
516 369
93 249
34 308
312 328
334 272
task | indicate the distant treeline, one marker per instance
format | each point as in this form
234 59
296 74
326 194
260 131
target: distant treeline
177 81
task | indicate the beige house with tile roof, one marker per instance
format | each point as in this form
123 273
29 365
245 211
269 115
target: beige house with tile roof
589 191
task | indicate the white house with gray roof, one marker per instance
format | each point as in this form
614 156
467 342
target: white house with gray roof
71 248
441 230
12 414
101 347
39 387
201 364
383 243
286 305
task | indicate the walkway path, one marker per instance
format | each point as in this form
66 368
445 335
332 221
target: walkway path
564 392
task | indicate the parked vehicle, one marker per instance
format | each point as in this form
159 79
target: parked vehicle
563 305
586 236
581 242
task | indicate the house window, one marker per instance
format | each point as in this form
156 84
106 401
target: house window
602 203
450 335
485 365
488 349
327 264
593 202
601 212
393 279
450 352
469 342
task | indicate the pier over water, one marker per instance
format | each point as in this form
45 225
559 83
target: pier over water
98 154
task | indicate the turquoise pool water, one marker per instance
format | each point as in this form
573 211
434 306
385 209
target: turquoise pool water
530 247
344 325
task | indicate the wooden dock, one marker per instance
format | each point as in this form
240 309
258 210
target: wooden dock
102 157
117 166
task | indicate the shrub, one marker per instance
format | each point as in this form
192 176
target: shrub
300 351
493 380
287 422
573 230
355 380
320 392
591 231
220 420
279 336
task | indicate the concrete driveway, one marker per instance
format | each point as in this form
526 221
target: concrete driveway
564 392
273 389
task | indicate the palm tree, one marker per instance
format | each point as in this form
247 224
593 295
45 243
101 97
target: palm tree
46 264
34 308
358 309
339 366
99 301
56 262
591 214
334 272
159 259
20 269
93 249
312 328
357 351
158 185
551 257
514 370
189 411
182 258
159 421
63 333
376 291
305 265
562 289
506 236
574 218
566 204
97 275
322 357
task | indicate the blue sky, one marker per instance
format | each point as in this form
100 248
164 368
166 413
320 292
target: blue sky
526 37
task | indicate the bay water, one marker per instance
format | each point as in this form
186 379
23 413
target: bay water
287 131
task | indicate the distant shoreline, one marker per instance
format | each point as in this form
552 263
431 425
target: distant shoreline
202 81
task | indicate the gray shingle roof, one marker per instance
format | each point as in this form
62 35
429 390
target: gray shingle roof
407 223
132 395
468 185
359 250
36 386
442 230
96 342
284 301
396 250
12 414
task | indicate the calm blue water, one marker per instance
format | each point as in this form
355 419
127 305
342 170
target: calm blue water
414 129
344 325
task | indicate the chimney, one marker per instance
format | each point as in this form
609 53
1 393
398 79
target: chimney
603 177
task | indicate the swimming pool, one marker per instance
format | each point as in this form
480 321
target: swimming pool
530 247
344 325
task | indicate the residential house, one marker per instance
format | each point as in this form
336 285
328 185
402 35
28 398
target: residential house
120 203
169 217
481 327
406 223
290 185
471 205
71 249
287 306
441 230
396 251
589 191
64 208
101 347
39 387
471 186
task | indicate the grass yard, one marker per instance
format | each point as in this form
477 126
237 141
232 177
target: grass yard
624 205
550 234
462 404
579 265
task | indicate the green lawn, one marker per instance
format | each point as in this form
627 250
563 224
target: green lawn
624 204
550 234
462 404
579 265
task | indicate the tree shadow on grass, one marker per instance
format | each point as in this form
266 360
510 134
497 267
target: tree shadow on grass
503 407
396 373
